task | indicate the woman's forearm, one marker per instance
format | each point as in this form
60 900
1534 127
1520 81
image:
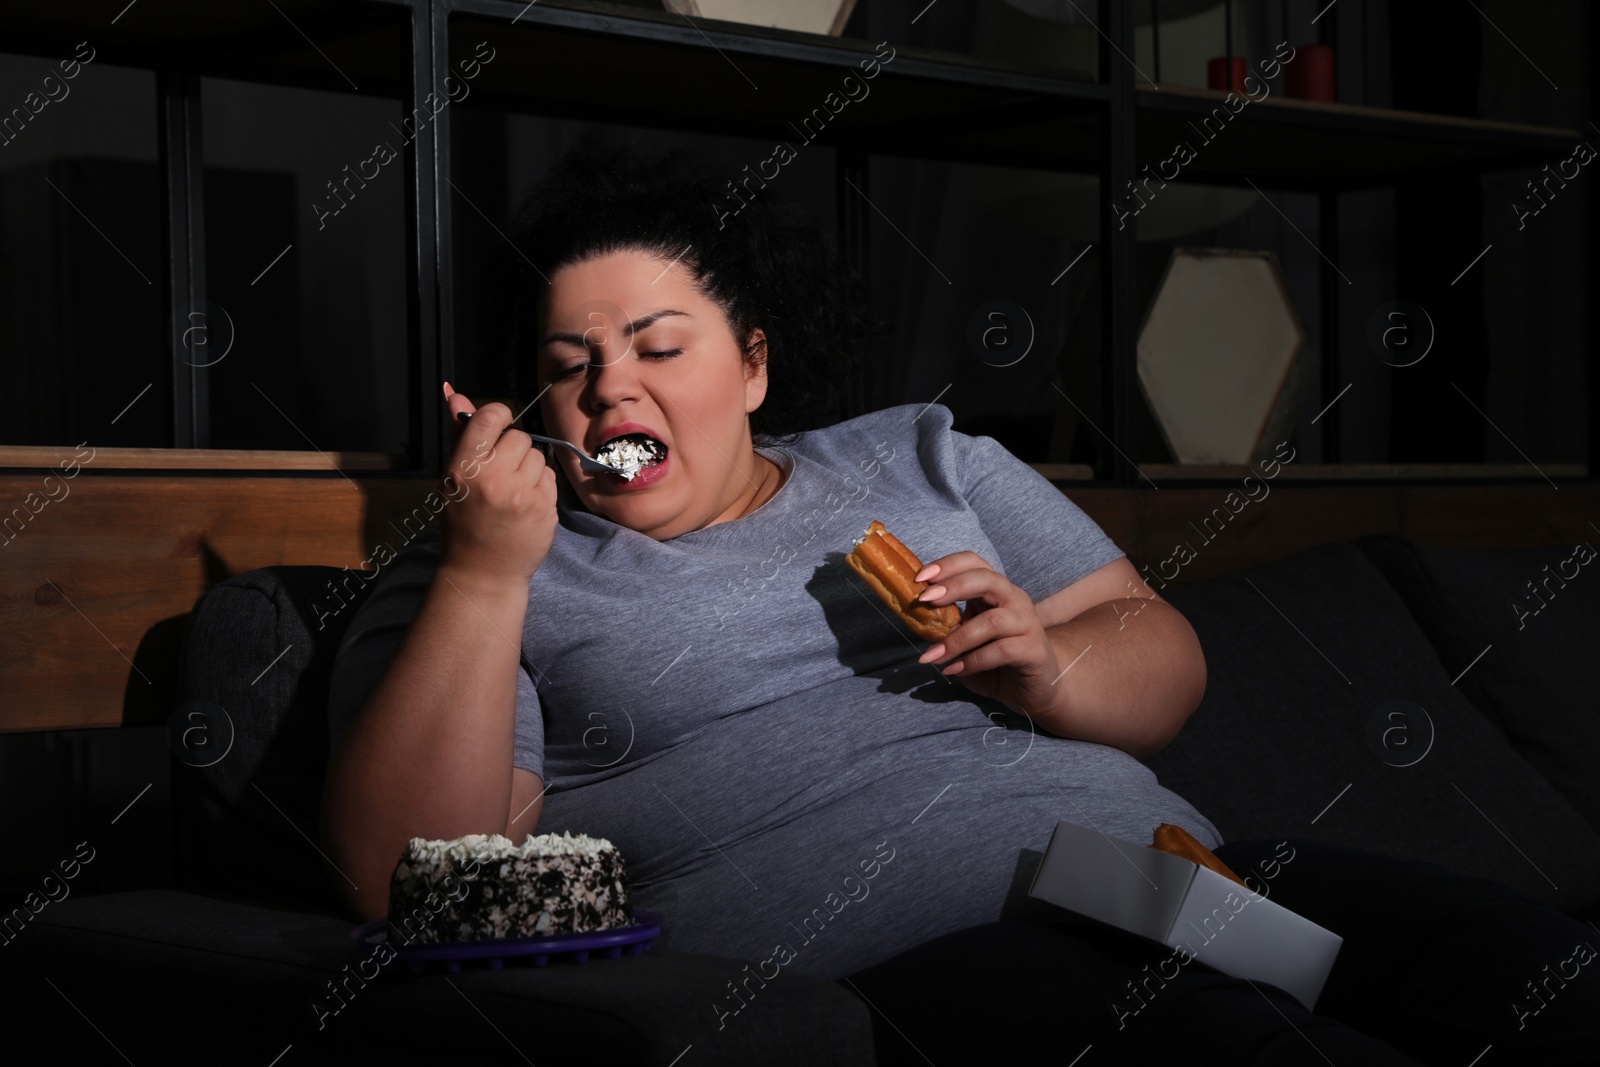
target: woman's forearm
1133 670
430 753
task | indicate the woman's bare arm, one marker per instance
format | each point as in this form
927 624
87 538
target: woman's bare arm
1133 667
430 753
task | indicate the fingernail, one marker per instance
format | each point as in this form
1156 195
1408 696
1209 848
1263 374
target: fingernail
933 592
932 654
927 572
448 392
463 415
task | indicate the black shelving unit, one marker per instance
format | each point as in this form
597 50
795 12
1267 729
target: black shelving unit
926 105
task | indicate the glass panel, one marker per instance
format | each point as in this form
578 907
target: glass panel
306 269
989 279
82 325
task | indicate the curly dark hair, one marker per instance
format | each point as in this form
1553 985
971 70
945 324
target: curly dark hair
766 264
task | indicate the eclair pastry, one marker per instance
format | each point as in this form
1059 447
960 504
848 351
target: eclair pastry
1180 842
890 569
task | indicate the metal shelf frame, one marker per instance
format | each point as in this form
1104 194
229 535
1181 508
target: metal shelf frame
998 102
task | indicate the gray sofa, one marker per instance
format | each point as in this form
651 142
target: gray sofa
1347 699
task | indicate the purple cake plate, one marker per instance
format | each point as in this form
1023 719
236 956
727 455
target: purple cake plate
495 952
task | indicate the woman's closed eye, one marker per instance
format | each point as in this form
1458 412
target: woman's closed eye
567 372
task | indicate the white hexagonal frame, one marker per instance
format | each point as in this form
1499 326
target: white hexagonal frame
809 16
1215 352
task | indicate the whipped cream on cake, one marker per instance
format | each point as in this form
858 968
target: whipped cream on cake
631 453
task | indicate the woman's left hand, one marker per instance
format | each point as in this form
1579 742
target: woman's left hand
1000 649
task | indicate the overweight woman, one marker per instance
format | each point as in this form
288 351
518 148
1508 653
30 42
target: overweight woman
682 662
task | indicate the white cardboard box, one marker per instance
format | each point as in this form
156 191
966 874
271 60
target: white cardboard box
1178 903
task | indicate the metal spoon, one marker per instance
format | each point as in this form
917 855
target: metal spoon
585 461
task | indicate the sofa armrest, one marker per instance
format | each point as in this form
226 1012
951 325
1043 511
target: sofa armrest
233 982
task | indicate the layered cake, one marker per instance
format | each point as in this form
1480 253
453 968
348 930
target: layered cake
485 886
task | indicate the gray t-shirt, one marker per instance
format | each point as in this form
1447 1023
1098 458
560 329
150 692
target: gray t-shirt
747 723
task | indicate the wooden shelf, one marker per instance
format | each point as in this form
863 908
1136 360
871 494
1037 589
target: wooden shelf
1162 473
1309 145
1065 472
44 457
1367 472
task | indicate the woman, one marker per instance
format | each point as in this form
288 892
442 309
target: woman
682 662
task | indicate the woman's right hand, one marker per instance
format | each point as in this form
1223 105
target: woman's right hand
503 513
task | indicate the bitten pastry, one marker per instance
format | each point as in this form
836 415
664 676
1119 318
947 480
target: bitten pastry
1180 842
890 568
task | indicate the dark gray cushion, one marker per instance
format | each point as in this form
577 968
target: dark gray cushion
246 824
1303 655
1540 673
170 977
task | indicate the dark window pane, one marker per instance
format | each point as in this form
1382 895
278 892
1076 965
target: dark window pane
82 328
306 259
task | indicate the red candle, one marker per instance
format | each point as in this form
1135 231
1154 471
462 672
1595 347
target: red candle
1310 75
1217 74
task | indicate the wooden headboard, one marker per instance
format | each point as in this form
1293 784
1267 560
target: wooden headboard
96 586
95 589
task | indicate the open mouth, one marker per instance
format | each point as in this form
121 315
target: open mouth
631 453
